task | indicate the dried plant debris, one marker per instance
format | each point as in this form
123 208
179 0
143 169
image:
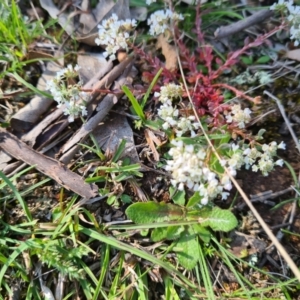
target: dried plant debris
46 165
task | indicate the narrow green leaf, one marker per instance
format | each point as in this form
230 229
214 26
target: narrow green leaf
136 106
247 60
263 59
30 86
292 170
18 196
119 151
155 125
21 248
99 151
143 103
95 179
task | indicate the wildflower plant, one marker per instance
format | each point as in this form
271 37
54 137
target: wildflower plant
114 34
161 20
194 166
66 92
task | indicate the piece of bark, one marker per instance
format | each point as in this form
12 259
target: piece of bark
48 166
231 29
4 159
112 132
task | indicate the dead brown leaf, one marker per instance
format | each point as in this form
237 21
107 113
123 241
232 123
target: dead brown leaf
293 54
168 51
151 140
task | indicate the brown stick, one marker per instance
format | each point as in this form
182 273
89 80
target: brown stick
50 167
231 29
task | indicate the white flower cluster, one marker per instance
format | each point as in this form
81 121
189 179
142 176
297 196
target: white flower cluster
69 95
169 91
293 18
189 167
113 33
170 114
264 159
239 116
159 21
252 157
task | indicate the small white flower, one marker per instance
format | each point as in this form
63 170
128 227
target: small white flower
224 195
279 162
159 21
239 116
113 34
204 201
234 147
282 145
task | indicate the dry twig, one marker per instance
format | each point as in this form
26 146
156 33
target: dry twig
231 29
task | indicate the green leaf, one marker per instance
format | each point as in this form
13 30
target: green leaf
248 60
159 234
188 255
174 232
218 219
263 59
260 134
204 233
111 199
18 196
29 86
195 199
125 198
95 179
294 175
150 88
150 212
136 106
119 151
155 125
179 197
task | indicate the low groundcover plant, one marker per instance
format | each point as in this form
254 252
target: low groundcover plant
192 164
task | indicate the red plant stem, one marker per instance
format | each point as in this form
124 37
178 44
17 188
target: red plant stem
235 55
255 100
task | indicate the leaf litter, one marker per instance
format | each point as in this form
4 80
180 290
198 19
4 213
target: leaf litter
110 133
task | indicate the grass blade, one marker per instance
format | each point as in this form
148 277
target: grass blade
18 196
